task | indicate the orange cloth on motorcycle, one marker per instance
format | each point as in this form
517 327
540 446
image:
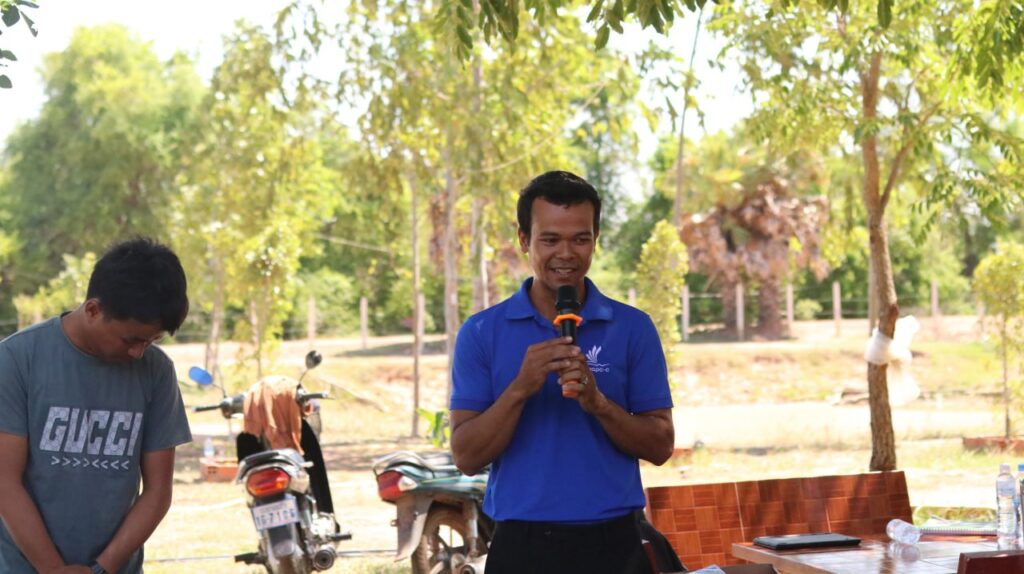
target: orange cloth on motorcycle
272 412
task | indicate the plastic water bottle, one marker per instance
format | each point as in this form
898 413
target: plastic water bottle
208 449
1017 504
903 552
1006 489
902 531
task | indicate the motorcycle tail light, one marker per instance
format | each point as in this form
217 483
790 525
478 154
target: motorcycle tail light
391 485
267 481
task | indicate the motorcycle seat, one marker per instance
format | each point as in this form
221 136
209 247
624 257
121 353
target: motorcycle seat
284 455
440 463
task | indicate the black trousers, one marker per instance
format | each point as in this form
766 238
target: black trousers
611 547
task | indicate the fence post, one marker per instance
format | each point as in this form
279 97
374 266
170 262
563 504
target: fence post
936 310
364 313
837 307
686 312
311 321
631 297
789 308
739 310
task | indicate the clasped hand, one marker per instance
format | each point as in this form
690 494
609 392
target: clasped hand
561 356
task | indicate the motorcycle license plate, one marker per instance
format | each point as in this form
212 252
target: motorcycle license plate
275 514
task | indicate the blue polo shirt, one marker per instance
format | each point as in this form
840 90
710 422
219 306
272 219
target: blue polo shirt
560 465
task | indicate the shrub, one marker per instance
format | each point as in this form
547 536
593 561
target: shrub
806 309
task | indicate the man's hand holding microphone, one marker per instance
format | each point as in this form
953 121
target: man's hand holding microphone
577 380
561 355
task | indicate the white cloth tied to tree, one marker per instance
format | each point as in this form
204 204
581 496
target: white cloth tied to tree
895 352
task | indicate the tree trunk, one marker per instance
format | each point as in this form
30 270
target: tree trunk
485 281
769 316
883 443
872 297
212 359
450 255
478 236
1006 381
417 311
479 250
254 323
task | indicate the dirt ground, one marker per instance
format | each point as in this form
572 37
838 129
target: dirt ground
208 522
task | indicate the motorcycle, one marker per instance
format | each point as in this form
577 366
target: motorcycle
287 492
441 525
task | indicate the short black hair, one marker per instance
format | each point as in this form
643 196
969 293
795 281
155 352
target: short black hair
143 280
559 188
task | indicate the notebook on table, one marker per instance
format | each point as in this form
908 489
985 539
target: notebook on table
797 541
942 527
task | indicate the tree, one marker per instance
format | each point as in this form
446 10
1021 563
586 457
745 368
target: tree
254 194
61 293
100 161
836 80
763 239
660 278
464 137
997 283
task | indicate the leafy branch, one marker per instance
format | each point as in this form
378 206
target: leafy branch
12 12
501 17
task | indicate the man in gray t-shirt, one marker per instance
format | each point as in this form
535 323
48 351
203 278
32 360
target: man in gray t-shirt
88 410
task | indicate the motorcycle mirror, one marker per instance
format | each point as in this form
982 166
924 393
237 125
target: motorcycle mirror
313 359
200 376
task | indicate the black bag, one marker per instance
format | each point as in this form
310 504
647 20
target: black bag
664 556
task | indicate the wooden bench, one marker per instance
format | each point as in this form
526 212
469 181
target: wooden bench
702 521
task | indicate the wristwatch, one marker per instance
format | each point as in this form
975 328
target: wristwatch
97 569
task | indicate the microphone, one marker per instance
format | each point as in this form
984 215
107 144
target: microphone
567 303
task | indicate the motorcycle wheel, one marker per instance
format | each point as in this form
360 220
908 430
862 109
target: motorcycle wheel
290 565
294 564
443 545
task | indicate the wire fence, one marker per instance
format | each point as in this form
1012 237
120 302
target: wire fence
706 310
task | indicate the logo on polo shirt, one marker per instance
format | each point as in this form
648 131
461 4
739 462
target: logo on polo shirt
595 366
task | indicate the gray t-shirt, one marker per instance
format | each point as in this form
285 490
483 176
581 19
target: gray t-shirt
88 423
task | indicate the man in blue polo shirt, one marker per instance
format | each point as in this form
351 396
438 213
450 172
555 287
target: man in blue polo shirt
565 483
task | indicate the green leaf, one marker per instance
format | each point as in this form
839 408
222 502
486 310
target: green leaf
464 37
8 55
666 9
595 11
5 82
602 37
884 13
11 16
32 25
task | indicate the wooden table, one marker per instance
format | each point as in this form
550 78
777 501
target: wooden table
932 555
